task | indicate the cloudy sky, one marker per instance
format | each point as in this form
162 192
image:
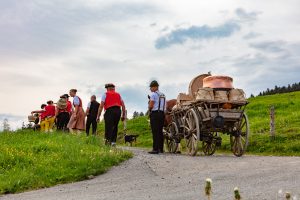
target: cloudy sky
50 46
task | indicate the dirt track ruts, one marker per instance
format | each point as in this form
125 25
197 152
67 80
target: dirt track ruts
178 177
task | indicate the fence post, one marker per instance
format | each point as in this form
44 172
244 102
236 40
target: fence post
272 122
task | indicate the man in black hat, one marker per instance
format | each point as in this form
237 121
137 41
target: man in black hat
112 103
157 105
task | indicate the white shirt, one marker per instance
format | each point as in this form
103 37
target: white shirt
76 101
158 97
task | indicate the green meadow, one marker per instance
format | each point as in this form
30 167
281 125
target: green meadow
31 160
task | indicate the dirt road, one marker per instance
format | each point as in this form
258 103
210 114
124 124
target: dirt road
178 177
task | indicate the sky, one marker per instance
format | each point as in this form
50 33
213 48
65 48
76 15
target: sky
48 47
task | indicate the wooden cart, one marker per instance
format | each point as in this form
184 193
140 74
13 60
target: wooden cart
205 121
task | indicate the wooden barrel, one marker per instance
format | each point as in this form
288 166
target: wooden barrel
195 84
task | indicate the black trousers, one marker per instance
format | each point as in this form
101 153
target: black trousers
112 117
157 123
63 119
91 121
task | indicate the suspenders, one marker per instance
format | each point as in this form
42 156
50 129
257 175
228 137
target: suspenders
161 97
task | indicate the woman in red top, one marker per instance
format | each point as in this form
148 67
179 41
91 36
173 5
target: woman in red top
77 121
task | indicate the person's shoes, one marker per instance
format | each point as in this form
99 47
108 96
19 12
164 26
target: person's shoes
113 144
178 152
153 152
161 151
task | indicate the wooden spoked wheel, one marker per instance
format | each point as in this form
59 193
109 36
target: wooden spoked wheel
239 142
191 130
170 138
209 146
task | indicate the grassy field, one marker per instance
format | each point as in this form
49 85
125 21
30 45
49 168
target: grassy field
30 160
287 118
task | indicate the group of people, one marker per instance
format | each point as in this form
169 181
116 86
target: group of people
72 117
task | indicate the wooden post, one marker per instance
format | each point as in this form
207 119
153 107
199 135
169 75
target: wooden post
272 122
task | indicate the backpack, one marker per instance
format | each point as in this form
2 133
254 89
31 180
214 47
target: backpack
62 104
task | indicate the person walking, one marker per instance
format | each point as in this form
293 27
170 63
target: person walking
112 103
50 116
157 105
91 113
77 120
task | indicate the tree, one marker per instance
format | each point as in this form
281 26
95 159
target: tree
135 114
5 125
142 114
283 89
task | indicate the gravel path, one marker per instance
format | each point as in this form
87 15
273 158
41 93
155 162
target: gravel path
179 177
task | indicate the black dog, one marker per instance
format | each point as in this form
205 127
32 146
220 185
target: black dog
130 139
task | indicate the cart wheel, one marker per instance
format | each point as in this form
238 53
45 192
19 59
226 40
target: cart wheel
209 147
239 142
170 135
191 126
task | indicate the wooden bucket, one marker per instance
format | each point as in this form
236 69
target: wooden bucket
205 94
237 95
221 95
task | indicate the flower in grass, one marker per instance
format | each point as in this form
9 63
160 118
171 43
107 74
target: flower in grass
237 195
208 182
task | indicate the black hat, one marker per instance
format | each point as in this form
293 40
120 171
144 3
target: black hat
154 84
108 85
66 96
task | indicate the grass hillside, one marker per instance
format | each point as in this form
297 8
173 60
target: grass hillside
287 119
30 160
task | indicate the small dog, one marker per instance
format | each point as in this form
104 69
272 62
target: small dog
130 139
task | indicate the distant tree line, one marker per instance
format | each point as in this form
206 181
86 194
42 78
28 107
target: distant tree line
284 89
137 114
